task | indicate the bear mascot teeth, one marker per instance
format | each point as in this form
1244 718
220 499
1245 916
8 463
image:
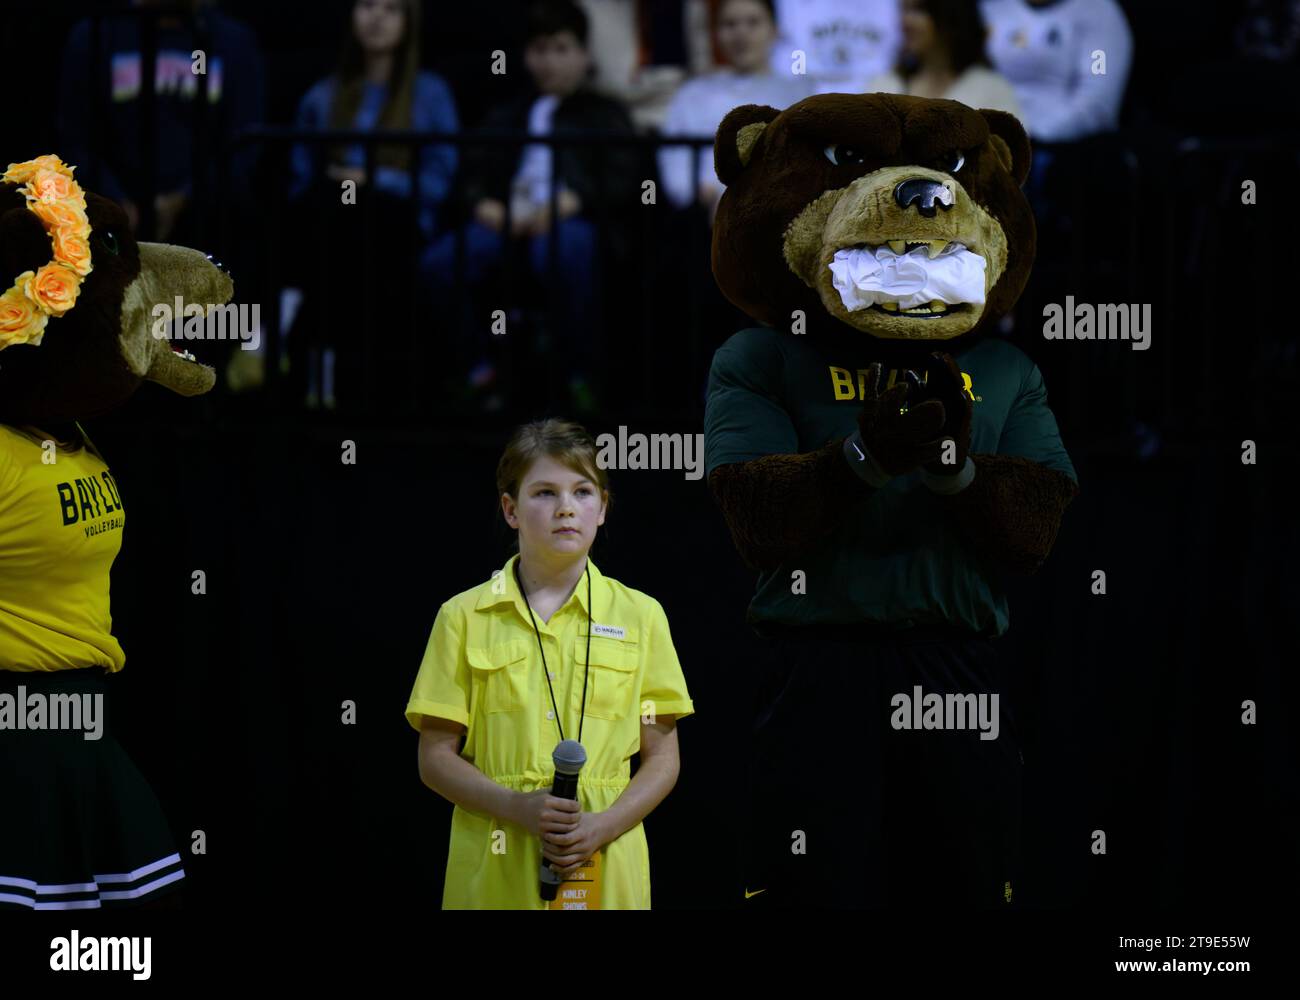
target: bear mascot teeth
880 455
82 828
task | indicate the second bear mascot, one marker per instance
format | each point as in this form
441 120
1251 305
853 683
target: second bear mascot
880 457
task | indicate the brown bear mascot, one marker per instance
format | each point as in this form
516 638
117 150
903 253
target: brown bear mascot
880 456
81 828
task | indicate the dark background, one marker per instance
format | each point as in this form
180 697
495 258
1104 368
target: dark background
323 579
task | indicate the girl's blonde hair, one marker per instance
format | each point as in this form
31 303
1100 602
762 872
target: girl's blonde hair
563 440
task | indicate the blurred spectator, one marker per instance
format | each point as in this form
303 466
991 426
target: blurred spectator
943 56
640 54
1269 30
100 121
1051 52
378 85
846 42
698 18
593 183
745 32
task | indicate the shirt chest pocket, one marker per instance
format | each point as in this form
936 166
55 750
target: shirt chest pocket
499 673
612 687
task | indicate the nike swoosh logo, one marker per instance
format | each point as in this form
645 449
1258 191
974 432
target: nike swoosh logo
748 894
861 458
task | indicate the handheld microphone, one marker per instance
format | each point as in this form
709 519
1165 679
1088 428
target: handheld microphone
568 757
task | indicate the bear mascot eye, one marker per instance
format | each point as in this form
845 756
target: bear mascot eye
954 161
109 239
842 155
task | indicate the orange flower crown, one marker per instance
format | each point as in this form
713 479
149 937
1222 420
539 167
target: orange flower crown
60 204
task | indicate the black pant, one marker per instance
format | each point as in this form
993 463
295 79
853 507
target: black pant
358 268
884 815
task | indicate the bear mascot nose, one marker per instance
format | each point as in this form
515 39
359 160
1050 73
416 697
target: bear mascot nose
925 194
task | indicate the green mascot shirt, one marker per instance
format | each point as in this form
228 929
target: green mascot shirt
897 560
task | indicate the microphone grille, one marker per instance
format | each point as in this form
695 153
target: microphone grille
569 756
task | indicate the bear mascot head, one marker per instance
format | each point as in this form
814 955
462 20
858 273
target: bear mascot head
852 208
77 316
877 238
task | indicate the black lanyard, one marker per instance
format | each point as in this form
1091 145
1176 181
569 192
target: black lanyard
587 670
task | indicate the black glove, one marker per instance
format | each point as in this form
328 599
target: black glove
945 385
899 437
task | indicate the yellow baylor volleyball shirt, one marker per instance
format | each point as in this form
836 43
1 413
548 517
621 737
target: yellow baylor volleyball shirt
60 530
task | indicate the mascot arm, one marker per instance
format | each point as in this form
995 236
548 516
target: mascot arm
777 505
1012 509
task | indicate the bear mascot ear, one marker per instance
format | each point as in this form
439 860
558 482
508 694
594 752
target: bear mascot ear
1007 136
737 135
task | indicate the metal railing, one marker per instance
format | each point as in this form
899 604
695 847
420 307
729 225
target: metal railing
1172 228
277 142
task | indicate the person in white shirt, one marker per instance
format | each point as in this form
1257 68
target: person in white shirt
745 31
845 42
943 56
1052 51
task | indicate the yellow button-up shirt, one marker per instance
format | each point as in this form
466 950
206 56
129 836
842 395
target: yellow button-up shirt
483 668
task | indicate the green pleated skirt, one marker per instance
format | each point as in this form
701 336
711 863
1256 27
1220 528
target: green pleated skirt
80 828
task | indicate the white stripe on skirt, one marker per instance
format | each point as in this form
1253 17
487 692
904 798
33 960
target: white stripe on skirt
100 880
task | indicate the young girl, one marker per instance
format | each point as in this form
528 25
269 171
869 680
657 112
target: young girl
549 649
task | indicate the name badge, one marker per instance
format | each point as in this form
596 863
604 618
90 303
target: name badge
581 890
611 631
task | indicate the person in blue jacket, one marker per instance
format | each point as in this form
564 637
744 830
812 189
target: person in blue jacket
378 85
